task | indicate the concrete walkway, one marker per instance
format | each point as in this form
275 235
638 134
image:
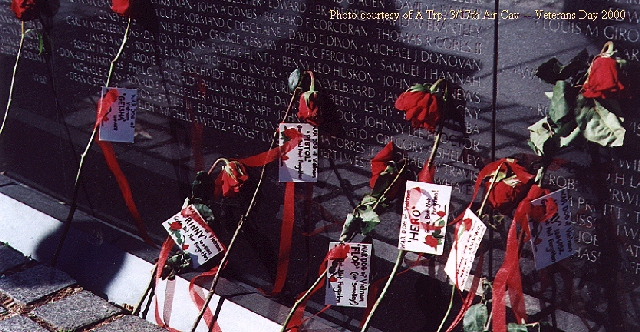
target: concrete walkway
37 298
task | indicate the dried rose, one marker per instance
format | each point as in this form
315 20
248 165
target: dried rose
511 183
603 79
121 7
422 107
231 178
309 109
26 10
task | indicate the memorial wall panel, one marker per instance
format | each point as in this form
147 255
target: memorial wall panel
212 77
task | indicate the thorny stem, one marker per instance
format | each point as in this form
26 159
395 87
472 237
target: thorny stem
386 190
302 299
444 319
76 184
401 254
13 79
223 262
136 310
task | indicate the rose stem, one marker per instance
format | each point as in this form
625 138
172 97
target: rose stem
401 252
13 78
76 184
216 277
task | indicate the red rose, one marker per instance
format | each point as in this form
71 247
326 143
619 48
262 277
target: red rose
422 107
25 10
185 246
380 161
121 7
511 184
309 110
174 226
431 241
602 81
230 179
427 174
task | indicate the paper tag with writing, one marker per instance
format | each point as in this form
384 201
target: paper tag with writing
301 163
470 232
424 217
552 240
119 123
193 235
348 279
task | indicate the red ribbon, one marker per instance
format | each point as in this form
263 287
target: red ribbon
286 233
508 277
169 292
288 215
162 260
110 157
199 300
261 159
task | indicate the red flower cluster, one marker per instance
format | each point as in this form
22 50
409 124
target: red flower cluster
309 108
174 226
121 7
26 10
511 184
603 79
422 107
231 178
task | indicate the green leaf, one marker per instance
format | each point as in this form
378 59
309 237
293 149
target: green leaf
549 71
178 263
476 318
384 181
513 327
206 212
40 44
539 134
598 124
560 106
350 228
419 88
568 134
552 70
294 79
369 219
576 67
201 191
368 200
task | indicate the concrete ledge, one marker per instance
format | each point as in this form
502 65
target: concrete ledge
103 268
